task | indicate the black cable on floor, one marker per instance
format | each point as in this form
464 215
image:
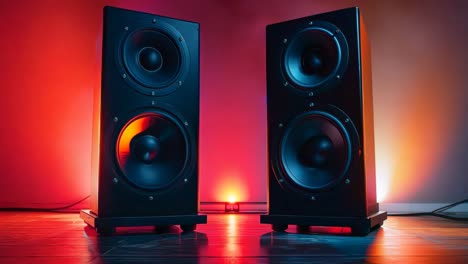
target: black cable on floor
438 212
445 208
52 209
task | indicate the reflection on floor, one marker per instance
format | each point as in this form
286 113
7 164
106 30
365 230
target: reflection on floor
227 238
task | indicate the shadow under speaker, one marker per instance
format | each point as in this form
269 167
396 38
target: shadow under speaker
320 124
145 145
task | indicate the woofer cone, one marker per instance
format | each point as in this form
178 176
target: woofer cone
315 151
152 57
316 56
152 150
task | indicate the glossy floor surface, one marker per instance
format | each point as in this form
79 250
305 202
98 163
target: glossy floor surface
64 238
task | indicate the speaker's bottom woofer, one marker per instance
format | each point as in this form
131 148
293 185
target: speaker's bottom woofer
153 150
316 150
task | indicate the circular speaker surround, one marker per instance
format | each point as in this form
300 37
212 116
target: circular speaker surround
155 59
315 57
316 151
152 151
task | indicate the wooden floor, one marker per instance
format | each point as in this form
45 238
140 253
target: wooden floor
63 238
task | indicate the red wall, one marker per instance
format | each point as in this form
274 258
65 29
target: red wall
48 53
48 70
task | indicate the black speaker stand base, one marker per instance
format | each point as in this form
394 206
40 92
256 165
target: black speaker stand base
360 226
108 225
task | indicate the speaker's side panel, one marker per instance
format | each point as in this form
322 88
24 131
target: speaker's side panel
96 129
146 106
105 169
187 100
368 119
269 53
348 97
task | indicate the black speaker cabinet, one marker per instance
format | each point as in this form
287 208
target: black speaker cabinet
146 172
320 124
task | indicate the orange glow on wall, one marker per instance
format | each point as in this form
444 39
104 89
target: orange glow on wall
417 147
231 188
383 166
408 155
419 82
415 126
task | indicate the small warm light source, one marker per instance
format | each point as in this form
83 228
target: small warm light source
232 199
231 207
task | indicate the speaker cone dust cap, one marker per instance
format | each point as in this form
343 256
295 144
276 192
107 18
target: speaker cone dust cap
152 151
316 56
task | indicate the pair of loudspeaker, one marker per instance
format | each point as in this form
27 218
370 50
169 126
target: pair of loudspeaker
320 124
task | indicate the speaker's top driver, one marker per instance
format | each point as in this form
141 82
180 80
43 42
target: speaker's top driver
316 56
156 59
152 58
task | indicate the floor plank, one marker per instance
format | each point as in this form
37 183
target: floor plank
34 237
